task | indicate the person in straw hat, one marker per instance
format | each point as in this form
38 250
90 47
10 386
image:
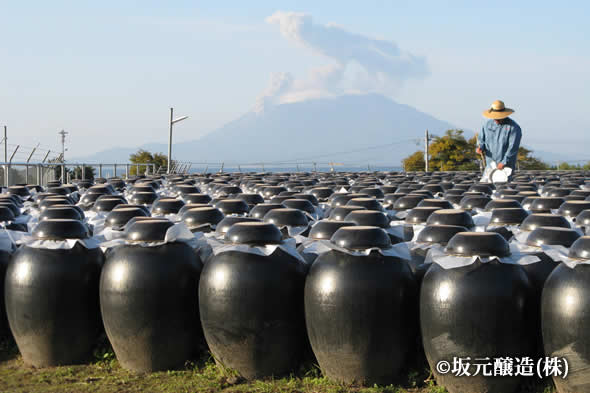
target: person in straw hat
500 137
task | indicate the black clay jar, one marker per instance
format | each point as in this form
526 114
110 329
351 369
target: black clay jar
197 198
537 220
311 198
439 203
148 302
142 207
420 214
322 193
475 202
408 202
117 219
369 203
566 316
224 225
340 212
251 199
359 309
368 218
233 206
143 198
390 199
545 204
286 217
52 297
479 310
250 305
189 206
340 199
508 216
6 214
165 206
451 217
502 204
105 205
552 236
67 212
202 219
260 210
573 208
300 204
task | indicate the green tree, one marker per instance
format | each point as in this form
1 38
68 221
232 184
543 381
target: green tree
452 152
88 172
145 157
415 162
527 162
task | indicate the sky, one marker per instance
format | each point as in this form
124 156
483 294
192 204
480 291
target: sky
108 72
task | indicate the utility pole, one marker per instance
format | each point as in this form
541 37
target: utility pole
426 142
172 122
6 167
63 154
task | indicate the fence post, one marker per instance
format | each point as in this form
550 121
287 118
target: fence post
83 171
126 171
39 181
114 170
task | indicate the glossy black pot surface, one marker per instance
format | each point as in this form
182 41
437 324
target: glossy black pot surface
360 311
148 300
565 319
476 311
451 217
251 311
52 302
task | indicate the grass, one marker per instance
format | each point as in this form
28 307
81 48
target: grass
103 374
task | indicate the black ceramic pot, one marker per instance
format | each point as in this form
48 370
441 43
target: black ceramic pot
202 219
565 318
117 219
260 210
537 220
545 204
340 212
52 297
502 204
358 309
224 225
322 193
250 305
451 217
475 202
143 198
573 208
477 311
408 202
300 204
165 206
69 212
232 206
369 203
148 299
368 218
196 198
439 203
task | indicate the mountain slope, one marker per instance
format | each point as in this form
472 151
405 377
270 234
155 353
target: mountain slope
352 129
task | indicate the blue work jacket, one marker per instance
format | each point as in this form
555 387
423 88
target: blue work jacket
500 142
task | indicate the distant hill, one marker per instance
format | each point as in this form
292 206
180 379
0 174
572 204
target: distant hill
351 129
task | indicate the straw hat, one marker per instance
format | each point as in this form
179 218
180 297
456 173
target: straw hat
497 111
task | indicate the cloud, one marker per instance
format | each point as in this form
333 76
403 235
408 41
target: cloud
358 63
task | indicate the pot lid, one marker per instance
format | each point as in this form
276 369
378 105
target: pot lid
361 238
483 244
253 233
60 229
